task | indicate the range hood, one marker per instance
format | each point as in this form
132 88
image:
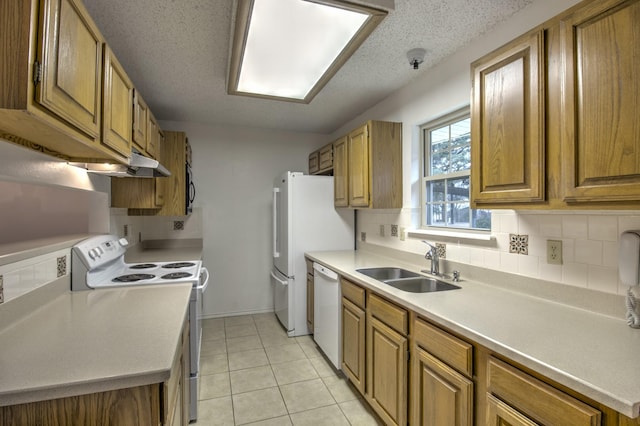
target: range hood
139 166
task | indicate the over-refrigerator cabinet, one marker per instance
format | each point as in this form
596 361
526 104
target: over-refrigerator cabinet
304 219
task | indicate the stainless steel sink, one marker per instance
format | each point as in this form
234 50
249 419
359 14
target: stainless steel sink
406 280
421 285
383 274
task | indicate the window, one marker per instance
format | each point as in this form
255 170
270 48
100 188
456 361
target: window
446 179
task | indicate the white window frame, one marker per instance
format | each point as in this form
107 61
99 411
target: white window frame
425 163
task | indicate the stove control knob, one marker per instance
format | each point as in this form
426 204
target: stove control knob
123 242
99 250
93 253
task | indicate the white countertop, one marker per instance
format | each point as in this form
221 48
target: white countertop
91 341
594 354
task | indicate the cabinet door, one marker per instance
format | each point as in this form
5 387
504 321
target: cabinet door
440 395
117 115
161 183
353 347
507 117
71 60
314 162
601 102
501 414
358 154
310 290
326 158
386 372
340 173
152 136
140 122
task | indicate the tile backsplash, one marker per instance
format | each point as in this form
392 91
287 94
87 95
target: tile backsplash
26 275
155 227
519 244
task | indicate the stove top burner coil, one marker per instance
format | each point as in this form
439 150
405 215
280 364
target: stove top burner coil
175 275
132 278
178 265
143 266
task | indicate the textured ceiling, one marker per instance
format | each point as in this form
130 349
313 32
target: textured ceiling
176 52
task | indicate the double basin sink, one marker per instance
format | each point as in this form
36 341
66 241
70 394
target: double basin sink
406 280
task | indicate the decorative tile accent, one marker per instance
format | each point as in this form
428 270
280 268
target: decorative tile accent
1 289
178 225
62 266
394 230
519 244
442 250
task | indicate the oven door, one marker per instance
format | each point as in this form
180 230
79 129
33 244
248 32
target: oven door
195 339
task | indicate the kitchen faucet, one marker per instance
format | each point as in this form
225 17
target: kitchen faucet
432 255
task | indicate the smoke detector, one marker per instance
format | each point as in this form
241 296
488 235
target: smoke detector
416 57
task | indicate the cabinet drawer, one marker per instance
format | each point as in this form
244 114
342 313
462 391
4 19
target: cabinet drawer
353 293
457 353
535 399
390 314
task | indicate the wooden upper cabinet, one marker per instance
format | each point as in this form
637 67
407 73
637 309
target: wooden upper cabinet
508 127
70 60
51 82
118 105
140 122
601 103
359 178
340 173
153 136
314 162
374 170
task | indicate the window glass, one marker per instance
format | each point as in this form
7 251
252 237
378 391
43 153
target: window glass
446 181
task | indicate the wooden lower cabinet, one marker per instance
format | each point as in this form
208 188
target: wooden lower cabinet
441 396
353 343
155 404
533 399
387 359
310 295
442 389
449 381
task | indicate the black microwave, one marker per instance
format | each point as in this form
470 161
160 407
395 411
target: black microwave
190 189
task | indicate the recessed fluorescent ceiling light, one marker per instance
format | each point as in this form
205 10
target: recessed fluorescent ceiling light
289 49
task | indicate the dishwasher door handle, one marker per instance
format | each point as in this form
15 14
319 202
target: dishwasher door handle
327 273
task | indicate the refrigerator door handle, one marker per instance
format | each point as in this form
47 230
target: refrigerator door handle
275 277
275 223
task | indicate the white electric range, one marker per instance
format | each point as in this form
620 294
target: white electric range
98 263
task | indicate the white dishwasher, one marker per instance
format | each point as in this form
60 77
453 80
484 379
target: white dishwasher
327 318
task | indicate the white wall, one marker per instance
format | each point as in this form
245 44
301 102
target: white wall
589 237
42 197
233 171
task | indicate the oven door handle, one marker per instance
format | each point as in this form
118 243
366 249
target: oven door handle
203 285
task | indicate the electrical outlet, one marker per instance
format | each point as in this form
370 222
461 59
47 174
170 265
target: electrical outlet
382 230
363 236
126 231
394 230
403 233
554 252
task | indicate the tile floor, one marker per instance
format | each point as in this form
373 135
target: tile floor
252 373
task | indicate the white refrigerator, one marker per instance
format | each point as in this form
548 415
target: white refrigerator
304 219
